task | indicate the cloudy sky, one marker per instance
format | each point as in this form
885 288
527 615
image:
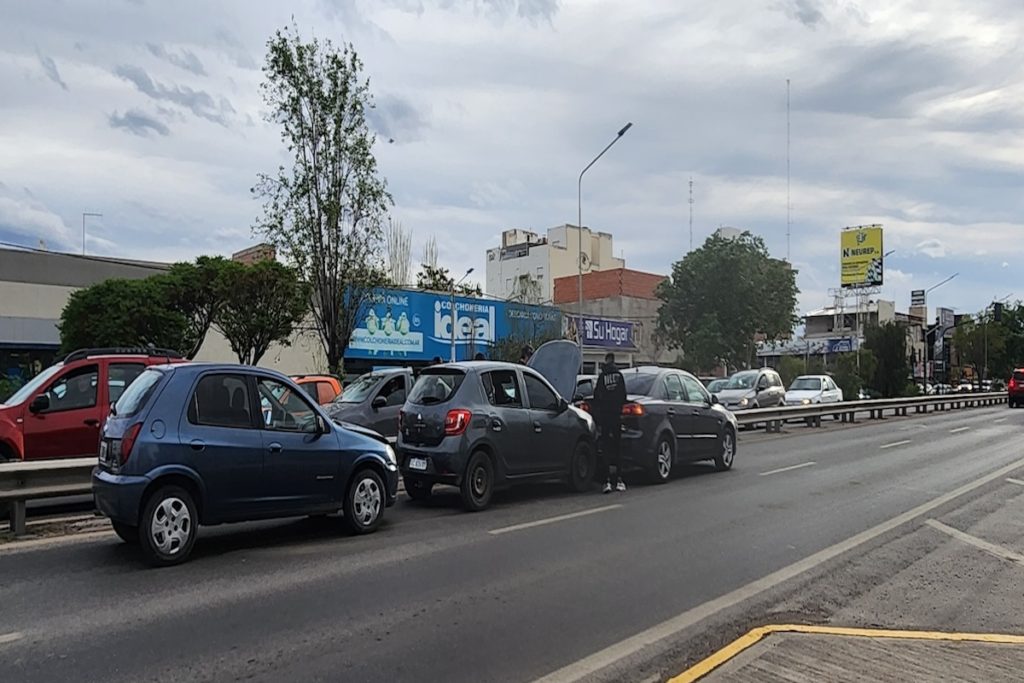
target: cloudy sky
907 114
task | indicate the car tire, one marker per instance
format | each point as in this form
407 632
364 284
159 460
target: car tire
126 532
169 526
364 502
478 483
726 450
582 468
418 489
664 460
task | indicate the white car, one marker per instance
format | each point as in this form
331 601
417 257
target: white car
809 389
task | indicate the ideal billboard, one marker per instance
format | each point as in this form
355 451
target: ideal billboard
860 259
411 325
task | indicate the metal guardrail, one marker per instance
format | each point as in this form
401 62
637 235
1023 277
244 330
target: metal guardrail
24 481
847 411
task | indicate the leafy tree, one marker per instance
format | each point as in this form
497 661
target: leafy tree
195 291
119 312
723 294
849 377
437 279
324 210
888 343
8 385
789 368
261 305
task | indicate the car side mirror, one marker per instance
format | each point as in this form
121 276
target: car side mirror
714 400
39 404
321 426
378 403
563 405
761 386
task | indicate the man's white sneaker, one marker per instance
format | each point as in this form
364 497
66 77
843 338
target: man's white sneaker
621 486
607 487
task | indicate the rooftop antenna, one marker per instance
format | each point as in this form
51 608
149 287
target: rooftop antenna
691 213
789 206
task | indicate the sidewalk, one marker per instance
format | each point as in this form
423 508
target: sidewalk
809 654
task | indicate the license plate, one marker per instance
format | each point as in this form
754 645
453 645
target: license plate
417 463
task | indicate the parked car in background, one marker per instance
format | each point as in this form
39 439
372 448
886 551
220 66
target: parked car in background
321 388
584 387
716 385
672 419
483 425
964 388
812 389
185 446
58 413
374 400
1015 388
748 389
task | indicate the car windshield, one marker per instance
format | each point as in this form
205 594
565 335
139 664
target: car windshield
135 396
742 380
33 385
640 383
436 387
806 384
360 389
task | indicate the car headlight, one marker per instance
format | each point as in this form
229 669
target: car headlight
744 401
390 452
806 401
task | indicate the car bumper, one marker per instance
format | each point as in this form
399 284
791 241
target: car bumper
637 450
391 483
118 496
442 465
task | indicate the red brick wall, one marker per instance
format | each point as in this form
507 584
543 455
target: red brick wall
608 283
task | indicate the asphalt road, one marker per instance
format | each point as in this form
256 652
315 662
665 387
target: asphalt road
437 595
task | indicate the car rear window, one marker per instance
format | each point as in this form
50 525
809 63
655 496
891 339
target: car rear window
1018 375
436 387
137 394
640 384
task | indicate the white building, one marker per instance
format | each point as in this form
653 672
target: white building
526 265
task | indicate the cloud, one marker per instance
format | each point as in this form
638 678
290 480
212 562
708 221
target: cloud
186 59
394 117
933 248
50 68
807 12
234 49
138 123
26 221
199 102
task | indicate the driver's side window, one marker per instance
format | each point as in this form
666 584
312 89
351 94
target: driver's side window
74 390
394 392
285 409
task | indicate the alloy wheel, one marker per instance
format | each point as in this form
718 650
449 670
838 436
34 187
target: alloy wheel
171 526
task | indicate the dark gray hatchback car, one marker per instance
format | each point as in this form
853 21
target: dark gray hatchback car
373 400
480 426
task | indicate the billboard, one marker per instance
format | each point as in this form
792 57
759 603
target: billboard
600 332
410 325
860 259
918 297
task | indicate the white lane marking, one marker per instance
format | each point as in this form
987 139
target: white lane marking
999 419
787 469
634 644
552 520
895 444
10 637
981 544
1018 482
958 430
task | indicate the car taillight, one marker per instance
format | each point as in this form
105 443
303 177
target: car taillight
456 422
1013 383
633 410
585 405
128 440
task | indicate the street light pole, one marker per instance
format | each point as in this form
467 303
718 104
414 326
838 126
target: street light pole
579 229
84 214
454 285
937 330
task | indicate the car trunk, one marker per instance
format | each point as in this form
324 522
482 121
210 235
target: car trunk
422 420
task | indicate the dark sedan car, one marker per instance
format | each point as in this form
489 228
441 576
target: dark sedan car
373 400
671 419
206 444
485 425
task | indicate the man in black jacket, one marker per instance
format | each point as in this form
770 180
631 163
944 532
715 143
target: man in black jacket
609 397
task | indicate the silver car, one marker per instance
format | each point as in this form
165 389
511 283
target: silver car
747 389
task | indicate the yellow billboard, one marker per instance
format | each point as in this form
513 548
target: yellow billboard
860 260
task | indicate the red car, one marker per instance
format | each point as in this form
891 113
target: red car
59 412
1015 388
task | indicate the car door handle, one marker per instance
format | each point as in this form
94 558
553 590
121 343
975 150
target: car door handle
91 423
694 411
274 447
197 444
537 427
671 411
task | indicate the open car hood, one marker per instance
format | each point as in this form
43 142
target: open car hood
559 363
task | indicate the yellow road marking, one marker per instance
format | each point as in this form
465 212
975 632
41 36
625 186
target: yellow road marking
752 637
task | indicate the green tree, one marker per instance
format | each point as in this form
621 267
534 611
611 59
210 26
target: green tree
119 312
196 290
723 294
325 209
437 279
888 343
261 305
847 375
789 368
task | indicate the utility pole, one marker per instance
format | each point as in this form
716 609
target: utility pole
789 206
92 214
691 213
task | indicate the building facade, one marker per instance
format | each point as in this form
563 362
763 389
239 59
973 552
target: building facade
526 265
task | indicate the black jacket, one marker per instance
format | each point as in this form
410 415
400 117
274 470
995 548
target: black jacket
609 395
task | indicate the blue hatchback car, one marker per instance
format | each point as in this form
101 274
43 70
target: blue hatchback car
208 444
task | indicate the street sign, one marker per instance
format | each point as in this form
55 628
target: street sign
918 297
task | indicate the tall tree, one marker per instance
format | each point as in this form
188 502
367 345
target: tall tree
980 341
261 305
437 279
888 344
430 252
324 210
195 290
721 296
399 253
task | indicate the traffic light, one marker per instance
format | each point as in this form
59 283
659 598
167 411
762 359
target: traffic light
997 312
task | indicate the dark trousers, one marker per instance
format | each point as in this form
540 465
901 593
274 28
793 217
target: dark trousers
609 443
